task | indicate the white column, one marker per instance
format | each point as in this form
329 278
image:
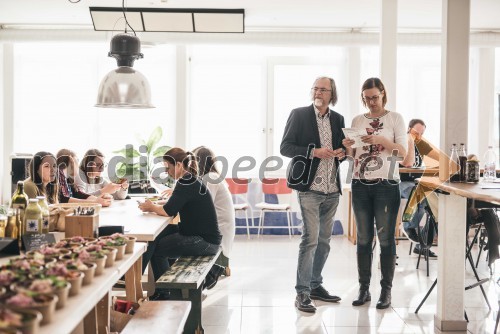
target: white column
483 115
389 49
181 114
454 75
7 124
452 209
451 264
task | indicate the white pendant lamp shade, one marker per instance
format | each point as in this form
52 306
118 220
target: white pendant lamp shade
124 87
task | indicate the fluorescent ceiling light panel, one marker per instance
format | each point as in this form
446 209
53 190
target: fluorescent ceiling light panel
168 21
214 22
113 20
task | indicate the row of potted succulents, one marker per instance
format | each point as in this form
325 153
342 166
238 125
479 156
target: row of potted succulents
32 287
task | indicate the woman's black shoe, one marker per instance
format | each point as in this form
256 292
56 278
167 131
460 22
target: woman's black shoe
363 297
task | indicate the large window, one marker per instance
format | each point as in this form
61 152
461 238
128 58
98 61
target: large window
419 87
55 90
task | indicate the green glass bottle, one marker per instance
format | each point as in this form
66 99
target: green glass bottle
33 218
42 202
19 199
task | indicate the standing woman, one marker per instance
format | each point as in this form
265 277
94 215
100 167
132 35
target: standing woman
42 180
375 190
221 196
197 232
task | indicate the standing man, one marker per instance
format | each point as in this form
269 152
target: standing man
313 139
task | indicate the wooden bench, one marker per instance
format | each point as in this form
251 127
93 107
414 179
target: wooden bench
159 317
185 281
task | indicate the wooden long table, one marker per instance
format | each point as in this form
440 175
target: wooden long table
451 247
144 226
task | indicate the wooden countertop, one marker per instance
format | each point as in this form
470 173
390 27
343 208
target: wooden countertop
430 171
469 190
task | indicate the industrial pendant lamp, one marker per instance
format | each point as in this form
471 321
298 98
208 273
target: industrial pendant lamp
125 87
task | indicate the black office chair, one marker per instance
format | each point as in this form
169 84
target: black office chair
468 257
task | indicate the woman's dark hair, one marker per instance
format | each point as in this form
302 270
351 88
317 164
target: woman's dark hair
63 160
187 159
89 156
416 121
374 83
52 189
206 160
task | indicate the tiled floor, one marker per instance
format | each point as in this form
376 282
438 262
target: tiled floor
259 295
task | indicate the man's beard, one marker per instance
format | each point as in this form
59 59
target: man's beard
318 102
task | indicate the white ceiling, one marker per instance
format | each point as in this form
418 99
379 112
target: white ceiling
264 15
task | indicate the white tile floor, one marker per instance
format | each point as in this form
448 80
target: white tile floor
259 295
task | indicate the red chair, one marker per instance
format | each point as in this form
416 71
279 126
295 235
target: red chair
275 187
240 187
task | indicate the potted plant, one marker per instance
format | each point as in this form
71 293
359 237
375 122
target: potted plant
45 304
117 241
93 253
28 322
139 164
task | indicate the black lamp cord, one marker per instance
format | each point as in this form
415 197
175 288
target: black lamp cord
125 16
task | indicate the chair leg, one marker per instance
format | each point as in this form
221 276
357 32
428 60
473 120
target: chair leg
411 246
426 296
427 259
248 227
261 222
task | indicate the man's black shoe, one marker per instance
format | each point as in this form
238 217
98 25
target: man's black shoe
320 293
303 303
412 234
417 250
213 276
160 294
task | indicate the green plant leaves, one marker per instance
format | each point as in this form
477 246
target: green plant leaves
128 153
160 151
154 138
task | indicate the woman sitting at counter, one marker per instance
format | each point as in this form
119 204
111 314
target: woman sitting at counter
197 232
67 163
42 180
89 178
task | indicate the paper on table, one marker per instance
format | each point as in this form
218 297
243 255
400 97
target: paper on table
355 134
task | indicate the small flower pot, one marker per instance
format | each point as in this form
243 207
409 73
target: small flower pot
110 261
62 293
100 264
120 251
89 273
30 321
130 244
76 282
46 307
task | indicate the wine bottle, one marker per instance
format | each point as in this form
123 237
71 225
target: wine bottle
20 199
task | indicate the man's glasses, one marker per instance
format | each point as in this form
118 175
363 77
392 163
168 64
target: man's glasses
321 90
374 98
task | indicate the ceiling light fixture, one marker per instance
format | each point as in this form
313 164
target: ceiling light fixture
125 87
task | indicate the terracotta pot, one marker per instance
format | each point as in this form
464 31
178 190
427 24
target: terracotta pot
130 244
89 273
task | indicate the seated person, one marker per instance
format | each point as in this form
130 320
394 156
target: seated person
89 179
422 150
67 164
42 180
197 232
220 195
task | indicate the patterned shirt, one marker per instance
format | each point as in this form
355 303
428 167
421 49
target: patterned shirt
325 180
